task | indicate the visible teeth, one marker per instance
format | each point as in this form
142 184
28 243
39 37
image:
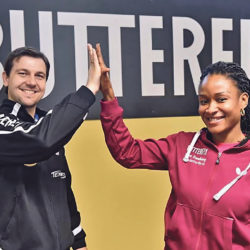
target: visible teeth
214 119
29 91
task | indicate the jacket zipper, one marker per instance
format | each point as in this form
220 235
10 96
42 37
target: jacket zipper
205 200
218 158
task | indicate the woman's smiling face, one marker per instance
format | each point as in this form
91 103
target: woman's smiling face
220 102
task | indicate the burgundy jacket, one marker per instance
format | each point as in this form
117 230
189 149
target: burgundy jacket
209 205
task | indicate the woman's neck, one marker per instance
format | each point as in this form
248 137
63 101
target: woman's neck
229 138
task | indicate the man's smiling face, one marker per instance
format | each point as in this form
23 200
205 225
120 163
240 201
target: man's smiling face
26 82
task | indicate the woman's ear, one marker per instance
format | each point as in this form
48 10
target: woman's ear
244 98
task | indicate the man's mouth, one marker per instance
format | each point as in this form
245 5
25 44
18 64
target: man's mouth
28 91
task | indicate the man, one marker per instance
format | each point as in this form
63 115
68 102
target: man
38 209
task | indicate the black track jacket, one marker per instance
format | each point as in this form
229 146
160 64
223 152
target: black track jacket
37 206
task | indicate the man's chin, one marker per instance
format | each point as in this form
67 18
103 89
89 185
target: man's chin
28 104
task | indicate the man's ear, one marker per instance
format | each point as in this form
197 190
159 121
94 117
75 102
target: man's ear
5 79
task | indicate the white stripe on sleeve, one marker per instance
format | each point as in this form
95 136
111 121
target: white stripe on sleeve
77 230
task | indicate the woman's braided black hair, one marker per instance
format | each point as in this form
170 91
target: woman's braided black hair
236 73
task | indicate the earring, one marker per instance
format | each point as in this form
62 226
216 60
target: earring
242 112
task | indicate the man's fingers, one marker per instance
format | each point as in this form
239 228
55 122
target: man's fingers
89 46
95 59
91 53
100 58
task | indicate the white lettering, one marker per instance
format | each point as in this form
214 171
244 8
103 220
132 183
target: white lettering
180 53
80 35
80 21
218 26
114 23
245 45
196 162
58 173
7 122
200 151
148 56
46 45
199 158
17 29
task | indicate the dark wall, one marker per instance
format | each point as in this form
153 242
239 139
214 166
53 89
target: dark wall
156 48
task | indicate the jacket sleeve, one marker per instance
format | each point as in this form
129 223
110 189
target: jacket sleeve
25 142
130 152
78 232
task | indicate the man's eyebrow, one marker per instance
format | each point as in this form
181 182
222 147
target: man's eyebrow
41 72
21 69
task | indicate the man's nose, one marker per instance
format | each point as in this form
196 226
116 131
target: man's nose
31 81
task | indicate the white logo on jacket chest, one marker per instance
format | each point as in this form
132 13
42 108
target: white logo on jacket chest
7 122
197 156
58 174
200 151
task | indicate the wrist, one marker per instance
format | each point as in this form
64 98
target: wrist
108 94
108 98
92 88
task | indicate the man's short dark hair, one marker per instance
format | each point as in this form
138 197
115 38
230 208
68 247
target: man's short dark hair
25 51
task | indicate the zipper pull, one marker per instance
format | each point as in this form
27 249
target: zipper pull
218 157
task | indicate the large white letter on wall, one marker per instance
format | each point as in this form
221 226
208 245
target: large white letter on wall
148 56
80 34
180 53
80 21
245 45
46 45
17 29
218 26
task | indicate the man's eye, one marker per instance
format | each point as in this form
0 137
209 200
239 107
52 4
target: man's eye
40 77
22 73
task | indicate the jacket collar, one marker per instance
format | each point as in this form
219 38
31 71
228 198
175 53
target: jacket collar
19 111
207 137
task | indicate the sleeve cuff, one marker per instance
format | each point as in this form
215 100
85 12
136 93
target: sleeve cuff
83 97
109 108
79 241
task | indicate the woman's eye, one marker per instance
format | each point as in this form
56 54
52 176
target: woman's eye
203 102
222 99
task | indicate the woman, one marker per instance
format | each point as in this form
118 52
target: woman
208 208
